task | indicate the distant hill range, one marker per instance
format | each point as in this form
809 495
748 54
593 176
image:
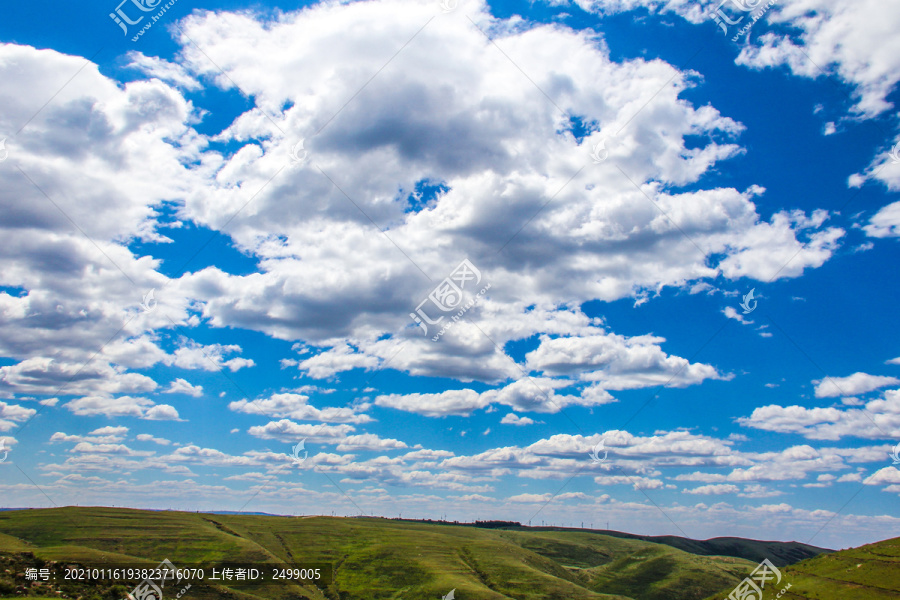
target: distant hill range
779 553
379 559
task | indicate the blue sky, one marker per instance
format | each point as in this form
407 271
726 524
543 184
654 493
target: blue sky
292 180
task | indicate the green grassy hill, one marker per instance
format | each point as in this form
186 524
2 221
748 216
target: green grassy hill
870 572
373 558
779 553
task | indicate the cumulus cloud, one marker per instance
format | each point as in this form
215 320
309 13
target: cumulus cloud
182 386
208 358
122 406
342 436
588 239
537 394
732 313
448 402
885 476
41 375
368 441
162 69
286 430
886 222
103 435
420 121
514 419
10 414
842 39
878 419
296 406
715 489
616 362
146 437
858 383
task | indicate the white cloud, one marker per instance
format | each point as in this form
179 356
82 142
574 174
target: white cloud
879 419
121 406
103 435
637 482
731 313
601 239
162 412
296 406
40 375
286 430
110 430
182 386
616 362
716 489
116 449
887 475
608 250
208 358
886 222
368 441
816 38
855 41
146 437
531 394
172 73
514 419
858 383
12 413
448 402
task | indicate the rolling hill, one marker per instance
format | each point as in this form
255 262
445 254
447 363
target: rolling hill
779 553
870 572
373 558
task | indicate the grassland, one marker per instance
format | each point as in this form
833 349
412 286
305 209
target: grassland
870 572
373 558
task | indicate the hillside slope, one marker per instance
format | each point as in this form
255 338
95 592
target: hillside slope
779 553
870 572
373 558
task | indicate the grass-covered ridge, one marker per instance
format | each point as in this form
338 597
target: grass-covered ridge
379 558
870 572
